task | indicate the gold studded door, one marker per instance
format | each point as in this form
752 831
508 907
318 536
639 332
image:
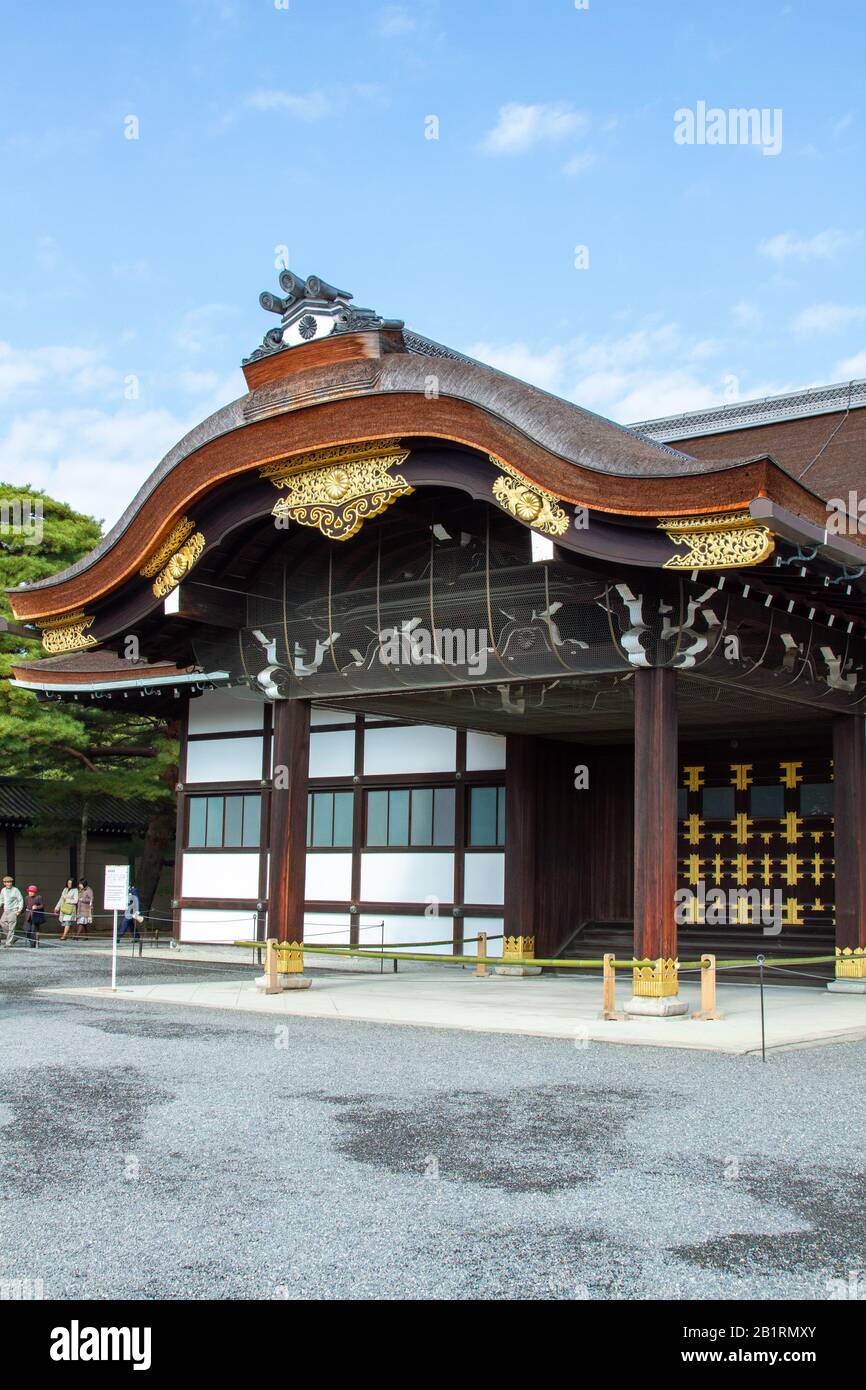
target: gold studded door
752 827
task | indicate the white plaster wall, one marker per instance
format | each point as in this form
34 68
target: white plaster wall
212 925
328 877
226 711
473 925
401 929
220 875
407 878
484 878
484 752
332 754
411 748
327 929
224 760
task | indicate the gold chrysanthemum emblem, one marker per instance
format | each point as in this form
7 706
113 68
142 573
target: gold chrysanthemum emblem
336 483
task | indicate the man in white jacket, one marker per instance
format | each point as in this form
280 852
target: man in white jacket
11 907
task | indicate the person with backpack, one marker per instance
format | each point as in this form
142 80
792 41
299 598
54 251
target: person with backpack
11 907
132 916
34 915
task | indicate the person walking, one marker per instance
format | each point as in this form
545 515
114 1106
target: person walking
66 907
34 915
11 907
85 908
132 916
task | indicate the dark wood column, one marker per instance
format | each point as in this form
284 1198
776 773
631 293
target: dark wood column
655 814
849 808
288 826
521 764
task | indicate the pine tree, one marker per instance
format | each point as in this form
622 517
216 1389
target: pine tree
78 752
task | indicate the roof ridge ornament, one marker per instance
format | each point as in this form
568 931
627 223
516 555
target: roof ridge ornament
309 309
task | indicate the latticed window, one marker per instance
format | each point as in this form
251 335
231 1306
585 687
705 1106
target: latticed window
329 820
224 822
410 817
486 816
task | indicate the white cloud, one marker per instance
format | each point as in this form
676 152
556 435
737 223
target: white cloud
821 247
828 318
93 459
844 123
746 315
307 106
394 21
197 330
637 376
544 369
93 448
705 347
851 367
71 369
520 127
579 163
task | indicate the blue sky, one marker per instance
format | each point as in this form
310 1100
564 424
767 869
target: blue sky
132 267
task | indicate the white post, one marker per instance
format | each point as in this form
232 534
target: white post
114 954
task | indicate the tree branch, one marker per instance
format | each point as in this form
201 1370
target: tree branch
74 753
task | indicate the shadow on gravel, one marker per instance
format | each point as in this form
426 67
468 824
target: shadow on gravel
59 1118
831 1207
143 1026
543 1140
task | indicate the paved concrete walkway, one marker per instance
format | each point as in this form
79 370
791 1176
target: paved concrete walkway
541 1006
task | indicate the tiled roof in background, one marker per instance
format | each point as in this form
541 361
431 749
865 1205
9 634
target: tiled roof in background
21 804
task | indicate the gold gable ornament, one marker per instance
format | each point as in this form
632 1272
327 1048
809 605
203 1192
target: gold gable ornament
336 490
162 555
726 540
68 634
527 501
179 565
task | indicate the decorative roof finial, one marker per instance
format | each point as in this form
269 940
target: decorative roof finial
310 309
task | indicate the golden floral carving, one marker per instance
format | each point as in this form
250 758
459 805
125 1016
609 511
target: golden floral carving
179 565
728 540
337 490
160 557
68 634
528 501
282 471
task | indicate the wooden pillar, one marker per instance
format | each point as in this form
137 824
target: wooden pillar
655 835
849 810
288 826
521 765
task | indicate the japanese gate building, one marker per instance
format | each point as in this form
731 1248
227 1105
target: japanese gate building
452 653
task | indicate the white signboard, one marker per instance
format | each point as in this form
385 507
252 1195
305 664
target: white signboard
116 887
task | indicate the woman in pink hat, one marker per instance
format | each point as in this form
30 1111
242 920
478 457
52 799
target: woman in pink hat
34 914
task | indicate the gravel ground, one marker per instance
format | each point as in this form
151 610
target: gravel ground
156 1152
